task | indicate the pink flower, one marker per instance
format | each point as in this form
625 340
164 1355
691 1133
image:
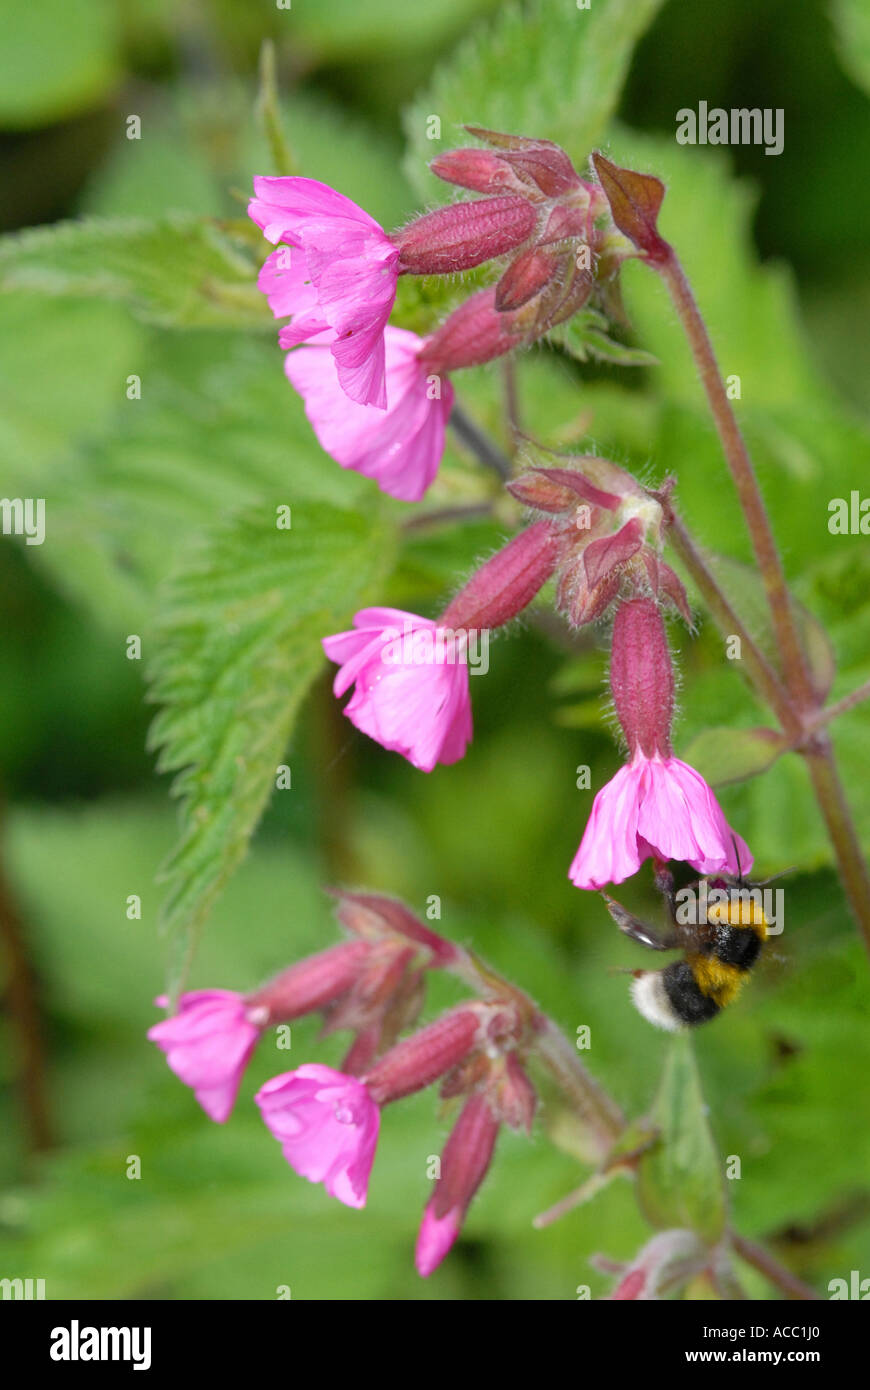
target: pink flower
464 1163
655 806
208 1044
327 1125
410 683
339 276
401 447
436 1238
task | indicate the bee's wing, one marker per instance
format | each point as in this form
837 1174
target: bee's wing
638 930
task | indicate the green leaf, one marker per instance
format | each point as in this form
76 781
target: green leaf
238 644
679 1180
731 755
852 29
179 271
56 59
545 69
586 335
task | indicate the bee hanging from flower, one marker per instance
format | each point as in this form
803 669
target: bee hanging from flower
720 925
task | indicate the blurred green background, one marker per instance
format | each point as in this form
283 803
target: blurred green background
779 254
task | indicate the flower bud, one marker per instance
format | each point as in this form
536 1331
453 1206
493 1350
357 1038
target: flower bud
557 490
307 986
466 1158
370 915
665 583
473 334
642 678
610 552
417 1061
480 170
508 582
464 235
512 1095
524 278
538 162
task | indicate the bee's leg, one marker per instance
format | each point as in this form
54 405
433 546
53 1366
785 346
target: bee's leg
664 882
635 928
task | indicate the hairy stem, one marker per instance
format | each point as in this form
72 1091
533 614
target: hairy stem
802 702
752 504
480 444
773 1271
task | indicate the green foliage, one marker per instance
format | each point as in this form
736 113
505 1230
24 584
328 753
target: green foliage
57 59
177 271
237 645
546 68
851 20
680 1180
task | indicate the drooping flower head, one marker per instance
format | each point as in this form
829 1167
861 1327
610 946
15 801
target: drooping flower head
656 805
410 685
401 446
208 1044
209 1041
335 274
327 1125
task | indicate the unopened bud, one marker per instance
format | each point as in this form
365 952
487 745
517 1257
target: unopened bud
524 278
464 235
558 490
508 581
642 678
417 1061
371 915
473 334
480 170
512 1095
602 556
309 985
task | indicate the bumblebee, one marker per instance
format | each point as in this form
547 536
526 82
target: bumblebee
719 950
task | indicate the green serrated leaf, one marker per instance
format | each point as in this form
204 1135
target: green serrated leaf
179 271
731 755
238 644
679 1180
586 335
546 69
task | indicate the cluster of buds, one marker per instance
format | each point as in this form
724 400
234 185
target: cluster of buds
614 531
379 397
326 1120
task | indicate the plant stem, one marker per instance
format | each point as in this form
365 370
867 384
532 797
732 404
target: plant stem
761 673
480 444
788 642
802 701
777 1274
831 797
470 512
831 712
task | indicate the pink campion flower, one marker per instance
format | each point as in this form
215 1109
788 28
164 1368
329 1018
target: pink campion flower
656 804
409 695
327 1125
208 1044
467 1156
335 275
400 447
